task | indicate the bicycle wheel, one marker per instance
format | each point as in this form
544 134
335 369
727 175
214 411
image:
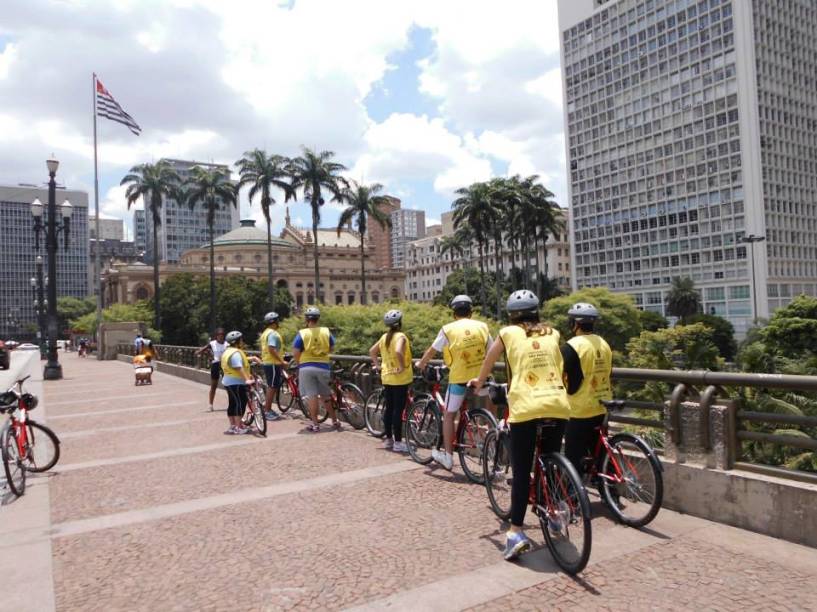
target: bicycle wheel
283 398
257 402
43 450
12 462
564 512
496 472
353 405
373 414
471 442
322 412
423 430
630 481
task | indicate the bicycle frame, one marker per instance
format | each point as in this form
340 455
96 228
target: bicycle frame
603 446
463 418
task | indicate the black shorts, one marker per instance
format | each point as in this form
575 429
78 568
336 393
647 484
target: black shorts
215 370
274 375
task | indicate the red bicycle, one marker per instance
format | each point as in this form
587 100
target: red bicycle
424 428
376 404
347 398
557 494
254 413
27 446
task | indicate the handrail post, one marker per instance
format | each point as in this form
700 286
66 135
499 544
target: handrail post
705 404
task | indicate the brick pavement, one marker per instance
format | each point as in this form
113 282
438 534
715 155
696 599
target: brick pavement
325 522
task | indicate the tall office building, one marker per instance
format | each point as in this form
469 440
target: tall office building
691 125
139 229
406 226
18 255
182 228
380 237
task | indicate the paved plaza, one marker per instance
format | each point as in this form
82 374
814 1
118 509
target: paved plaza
152 508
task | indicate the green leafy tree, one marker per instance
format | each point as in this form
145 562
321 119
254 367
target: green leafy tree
184 309
683 300
70 308
314 173
118 313
459 281
651 321
363 204
619 317
685 347
264 174
723 333
151 183
210 188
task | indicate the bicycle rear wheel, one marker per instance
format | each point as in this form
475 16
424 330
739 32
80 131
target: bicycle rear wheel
564 512
12 462
373 414
284 399
254 412
471 442
353 405
43 447
496 472
631 483
423 430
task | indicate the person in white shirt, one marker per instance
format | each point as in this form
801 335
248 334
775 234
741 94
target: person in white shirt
216 347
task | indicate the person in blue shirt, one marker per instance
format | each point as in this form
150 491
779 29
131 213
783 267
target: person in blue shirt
310 350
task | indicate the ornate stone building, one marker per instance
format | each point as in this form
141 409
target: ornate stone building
243 251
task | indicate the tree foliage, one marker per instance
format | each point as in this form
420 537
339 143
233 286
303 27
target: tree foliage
683 300
685 347
118 313
71 308
651 321
723 333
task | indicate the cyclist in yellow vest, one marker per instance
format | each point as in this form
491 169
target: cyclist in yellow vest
310 350
588 363
536 393
236 367
272 362
394 350
463 344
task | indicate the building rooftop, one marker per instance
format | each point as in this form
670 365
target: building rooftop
248 233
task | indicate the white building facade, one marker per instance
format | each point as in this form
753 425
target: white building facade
407 225
691 126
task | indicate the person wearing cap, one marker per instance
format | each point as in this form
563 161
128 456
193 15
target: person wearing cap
216 346
536 393
394 350
463 343
272 362
236 366
310 350
588 364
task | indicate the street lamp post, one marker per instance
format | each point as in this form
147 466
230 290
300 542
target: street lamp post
750 240
53 369
37 287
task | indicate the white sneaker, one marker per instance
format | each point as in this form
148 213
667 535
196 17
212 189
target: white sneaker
443 458
400 447
388 444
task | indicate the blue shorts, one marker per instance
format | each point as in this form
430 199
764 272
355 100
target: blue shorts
274 375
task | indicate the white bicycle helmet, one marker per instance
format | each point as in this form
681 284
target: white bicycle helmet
581 312
233 337
393 317
312 312
271 317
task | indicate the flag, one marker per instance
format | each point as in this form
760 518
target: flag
109 108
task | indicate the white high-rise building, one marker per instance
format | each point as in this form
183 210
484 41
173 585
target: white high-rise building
691 125
407 225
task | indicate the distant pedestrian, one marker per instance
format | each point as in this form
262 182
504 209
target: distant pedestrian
216 347
137 343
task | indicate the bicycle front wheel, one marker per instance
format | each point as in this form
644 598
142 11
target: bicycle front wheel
423 430
353 405
12 461
254 412
563 509
631 482
373 414
496 472
471 442
43 450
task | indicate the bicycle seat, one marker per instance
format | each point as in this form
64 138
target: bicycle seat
546 424
615 404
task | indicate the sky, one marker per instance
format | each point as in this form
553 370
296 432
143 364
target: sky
422 96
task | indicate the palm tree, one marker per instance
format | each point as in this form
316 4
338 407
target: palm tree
315 173
363 204
473 208
264 173
152 183
683 300
545 221
210 187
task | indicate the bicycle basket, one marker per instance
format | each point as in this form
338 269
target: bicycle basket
498 394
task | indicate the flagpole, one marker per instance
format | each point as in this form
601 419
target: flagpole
97 254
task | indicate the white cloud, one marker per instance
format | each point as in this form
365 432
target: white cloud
7 58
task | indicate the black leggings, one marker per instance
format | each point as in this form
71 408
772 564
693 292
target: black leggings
238 397
523 445
580 439
395 397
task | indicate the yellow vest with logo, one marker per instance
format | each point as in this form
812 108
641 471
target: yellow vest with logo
316 345
230 370
465 351
535 367
267 358
596 359
388 355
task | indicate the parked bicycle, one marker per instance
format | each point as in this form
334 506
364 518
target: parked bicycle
26 445
376 404
557 494
346 398
424 428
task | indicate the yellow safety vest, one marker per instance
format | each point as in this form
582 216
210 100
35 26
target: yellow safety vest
535 366
316 345
465 351
230 370
596 359
388 355
267 358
